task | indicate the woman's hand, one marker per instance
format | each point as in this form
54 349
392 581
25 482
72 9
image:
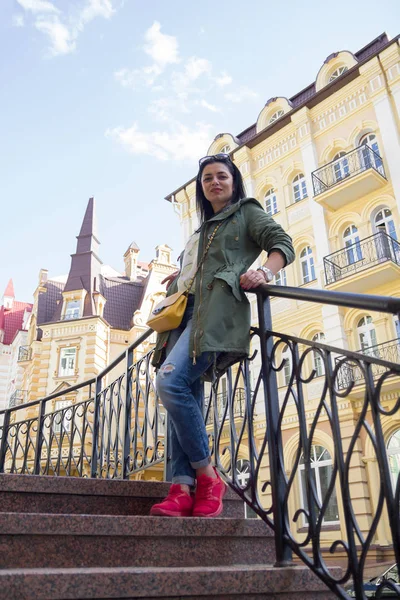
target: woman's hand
252 279
168 280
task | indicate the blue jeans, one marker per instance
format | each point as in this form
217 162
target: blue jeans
181 392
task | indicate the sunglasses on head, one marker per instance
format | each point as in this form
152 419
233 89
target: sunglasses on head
220 156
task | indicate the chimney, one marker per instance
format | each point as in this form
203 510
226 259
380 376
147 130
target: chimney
131 261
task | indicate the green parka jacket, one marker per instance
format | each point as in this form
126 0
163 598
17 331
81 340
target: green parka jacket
221 317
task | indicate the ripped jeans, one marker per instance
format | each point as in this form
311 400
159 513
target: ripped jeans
181 392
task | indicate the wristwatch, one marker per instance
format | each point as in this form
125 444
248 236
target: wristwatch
268 274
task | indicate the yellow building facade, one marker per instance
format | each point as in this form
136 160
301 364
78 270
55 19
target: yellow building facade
325 165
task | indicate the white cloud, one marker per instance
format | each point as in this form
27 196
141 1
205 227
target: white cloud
223 79
195 67
61 38
211 107
38 6
18 20
61 30
241 95
162 48
180 143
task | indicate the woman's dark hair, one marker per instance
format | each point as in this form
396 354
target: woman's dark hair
204 208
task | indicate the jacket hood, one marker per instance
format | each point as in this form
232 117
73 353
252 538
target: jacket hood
224 214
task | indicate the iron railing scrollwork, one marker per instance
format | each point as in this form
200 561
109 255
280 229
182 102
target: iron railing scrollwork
308 452
364 254
346 166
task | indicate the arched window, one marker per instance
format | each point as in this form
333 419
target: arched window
393 452
321 472
299 187
277 115
371 159
271 203
367 335
280 278
337 73
287 368
352 244
318 360
243 475
383 221
307 265
225 149
341 166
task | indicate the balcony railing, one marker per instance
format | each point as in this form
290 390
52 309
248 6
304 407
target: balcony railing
352 374
357 161
111 429
373 250
24 353
17 398
221 401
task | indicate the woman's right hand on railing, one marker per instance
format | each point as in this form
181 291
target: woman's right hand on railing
168 280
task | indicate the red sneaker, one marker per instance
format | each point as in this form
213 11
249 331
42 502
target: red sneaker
209 494
176 504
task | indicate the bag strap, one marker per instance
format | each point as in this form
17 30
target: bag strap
212 236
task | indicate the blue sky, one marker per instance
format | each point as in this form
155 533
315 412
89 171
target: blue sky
119 98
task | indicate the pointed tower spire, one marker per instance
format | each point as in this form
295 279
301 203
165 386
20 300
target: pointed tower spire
84 273
9 295
10 290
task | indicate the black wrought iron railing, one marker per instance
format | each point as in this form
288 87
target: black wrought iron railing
364 254
306 449
352 374
24 353
350 164
17 397
220 402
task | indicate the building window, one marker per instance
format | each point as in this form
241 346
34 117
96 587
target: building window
62 418
277 115
341 166
337 73
352 244
317 358
280 278
393 452
67 362
307 265
321 472
225 149
72 310
371 141
384 222
397 327
299 188
367 336
271 203
287 368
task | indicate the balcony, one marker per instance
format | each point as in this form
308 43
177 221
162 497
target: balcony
364 265
17 398
348 373
348 178
239 406
24 353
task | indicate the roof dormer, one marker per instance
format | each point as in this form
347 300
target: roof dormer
223 143
334 66
274 109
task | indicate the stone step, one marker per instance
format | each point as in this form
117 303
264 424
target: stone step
50 541
75 495
239 582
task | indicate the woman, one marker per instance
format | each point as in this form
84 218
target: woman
215 331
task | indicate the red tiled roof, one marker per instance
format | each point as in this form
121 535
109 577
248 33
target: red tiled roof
13 319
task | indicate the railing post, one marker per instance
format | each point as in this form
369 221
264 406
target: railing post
96 428
39 437
127 413
4 437
275 450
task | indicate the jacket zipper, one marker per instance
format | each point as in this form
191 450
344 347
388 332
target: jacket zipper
198 307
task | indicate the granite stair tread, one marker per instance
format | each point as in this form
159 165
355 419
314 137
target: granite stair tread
74 495
225 582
